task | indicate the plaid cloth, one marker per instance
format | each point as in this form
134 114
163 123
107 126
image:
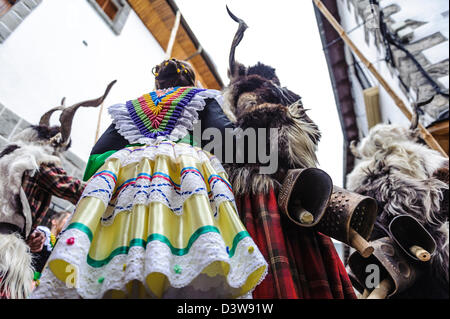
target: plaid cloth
303 264
50 180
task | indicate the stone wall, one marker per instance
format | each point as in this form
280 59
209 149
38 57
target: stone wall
11 123
423 34
14 17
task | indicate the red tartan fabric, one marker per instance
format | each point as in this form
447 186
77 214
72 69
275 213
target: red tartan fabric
303 264
50 180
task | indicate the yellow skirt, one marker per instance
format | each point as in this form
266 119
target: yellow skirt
155 221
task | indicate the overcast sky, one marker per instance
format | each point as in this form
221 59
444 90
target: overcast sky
283 34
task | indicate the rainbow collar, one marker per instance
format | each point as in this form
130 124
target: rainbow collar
156 113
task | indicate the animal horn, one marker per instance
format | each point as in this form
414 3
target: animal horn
236 40
45 119
67 115
416 107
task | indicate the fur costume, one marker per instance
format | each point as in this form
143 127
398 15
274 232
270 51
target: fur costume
406 178
303 263
256 100
28 150
15 257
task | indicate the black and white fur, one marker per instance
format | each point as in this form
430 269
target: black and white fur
401 173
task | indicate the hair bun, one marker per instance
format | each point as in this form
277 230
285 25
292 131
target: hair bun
168 74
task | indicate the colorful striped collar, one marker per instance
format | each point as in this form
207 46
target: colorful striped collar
156 113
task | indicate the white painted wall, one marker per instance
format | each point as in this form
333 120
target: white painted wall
45 59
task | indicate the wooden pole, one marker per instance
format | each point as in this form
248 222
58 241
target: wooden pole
360 244
382 290
173 35
304 216
420 253
97 132
428 138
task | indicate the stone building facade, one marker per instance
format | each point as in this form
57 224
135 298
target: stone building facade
423 30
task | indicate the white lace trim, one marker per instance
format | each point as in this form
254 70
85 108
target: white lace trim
159 187
51 287
126 127
155 258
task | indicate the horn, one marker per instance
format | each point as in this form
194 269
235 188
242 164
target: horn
67 115
416 107
236 40
45 119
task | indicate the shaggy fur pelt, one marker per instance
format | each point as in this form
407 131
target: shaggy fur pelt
27 152
256 100
401 173
15 159
16 272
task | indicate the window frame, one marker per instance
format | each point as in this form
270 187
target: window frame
120 18
13 17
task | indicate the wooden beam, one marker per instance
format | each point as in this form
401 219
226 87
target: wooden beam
371 100
173 35
428 138
159 19
440 132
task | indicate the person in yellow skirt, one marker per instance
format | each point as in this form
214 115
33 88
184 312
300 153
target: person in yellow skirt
157 218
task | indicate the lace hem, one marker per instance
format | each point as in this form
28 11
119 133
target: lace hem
156 258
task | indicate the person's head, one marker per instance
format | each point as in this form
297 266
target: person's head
58 220
173 72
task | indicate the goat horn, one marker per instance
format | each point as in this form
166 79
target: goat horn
67 115
416 107
45 119
236 40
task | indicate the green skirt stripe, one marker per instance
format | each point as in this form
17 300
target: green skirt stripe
142 243
83 228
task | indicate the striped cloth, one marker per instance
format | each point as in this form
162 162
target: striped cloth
156 113
303 264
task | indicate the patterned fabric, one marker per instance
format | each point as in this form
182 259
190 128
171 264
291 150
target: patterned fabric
167 114
50 180
162 216
302 263
157 113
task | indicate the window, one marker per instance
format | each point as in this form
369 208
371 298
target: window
12 13
5 5
113 12
108 7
